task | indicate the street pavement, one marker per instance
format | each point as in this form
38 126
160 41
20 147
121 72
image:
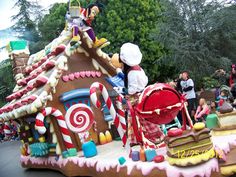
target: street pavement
10 163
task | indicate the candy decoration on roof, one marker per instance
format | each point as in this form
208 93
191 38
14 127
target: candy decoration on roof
97 103
61 48
40 81
48 65
39 124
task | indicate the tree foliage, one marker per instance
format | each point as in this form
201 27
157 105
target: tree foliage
50 26
198 36
132 21
190 33
223 33
25 19
53 23
6 79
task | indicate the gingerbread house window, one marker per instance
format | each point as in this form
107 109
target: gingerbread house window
74 97
83 96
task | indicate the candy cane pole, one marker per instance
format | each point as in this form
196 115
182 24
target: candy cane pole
119 120
188 116
39 124
6 129
97 103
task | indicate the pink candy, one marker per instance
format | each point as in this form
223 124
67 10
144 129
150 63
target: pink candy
159 158
81 74
71 77
175 132
65 78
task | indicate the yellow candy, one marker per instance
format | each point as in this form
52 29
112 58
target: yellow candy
27 127
30 139
102 138
108 136
42 139
199 126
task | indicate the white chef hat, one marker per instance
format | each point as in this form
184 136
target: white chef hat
130 54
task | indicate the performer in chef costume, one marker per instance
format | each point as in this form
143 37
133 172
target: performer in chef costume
135 79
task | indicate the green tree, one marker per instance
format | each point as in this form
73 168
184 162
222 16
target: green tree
6 79
132 21
223 34
186 34
25 25
50 26
53 23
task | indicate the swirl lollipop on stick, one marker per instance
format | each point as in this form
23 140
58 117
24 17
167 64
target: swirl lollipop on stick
79 119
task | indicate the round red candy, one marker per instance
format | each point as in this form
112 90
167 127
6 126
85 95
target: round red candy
175 132
159 158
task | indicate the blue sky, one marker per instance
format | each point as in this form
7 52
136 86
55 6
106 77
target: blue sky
7 10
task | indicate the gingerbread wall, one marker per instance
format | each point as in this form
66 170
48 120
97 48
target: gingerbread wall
78 63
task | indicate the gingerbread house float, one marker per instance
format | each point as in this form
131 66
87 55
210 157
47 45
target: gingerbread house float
61 129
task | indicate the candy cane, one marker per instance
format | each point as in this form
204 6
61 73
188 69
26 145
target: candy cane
188 116
6 129
119 120
39 124
97 103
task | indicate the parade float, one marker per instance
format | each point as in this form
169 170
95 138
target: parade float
72 119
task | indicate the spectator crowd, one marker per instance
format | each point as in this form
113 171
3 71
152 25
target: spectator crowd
199 106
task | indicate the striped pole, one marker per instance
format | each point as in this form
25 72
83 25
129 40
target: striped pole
118 122
7 129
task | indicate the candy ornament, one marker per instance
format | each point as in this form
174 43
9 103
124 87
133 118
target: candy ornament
79 119
39 124
118 119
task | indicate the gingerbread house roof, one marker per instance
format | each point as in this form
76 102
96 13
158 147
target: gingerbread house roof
44 69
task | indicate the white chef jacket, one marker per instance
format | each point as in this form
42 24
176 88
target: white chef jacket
137 81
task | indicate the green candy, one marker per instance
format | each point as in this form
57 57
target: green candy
72 152
212 121
121 160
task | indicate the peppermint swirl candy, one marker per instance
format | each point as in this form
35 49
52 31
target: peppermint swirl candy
79 118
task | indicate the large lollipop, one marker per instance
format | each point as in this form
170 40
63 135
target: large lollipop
79 119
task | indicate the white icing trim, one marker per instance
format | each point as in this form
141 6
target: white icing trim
81 50
24 51
97 66
101 163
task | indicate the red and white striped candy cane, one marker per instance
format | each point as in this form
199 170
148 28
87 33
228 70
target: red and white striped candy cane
97 103
119 120
7 129
39 124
